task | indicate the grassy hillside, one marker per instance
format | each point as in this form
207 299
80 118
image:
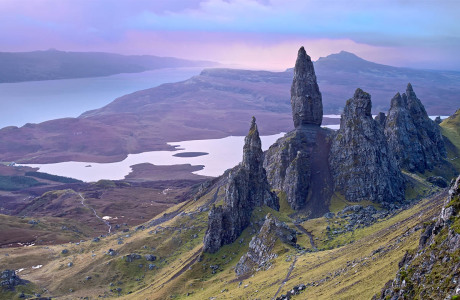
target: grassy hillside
17 231
16 183
451 129
363 262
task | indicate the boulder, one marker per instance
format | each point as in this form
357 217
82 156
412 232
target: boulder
9 280
438 181
261 246
150 257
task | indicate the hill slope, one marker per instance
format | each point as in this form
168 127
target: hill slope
347 263
54 64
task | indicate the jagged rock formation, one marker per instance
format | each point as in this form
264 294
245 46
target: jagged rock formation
9 280
291 161
262 245
362 165
381 118
414 138
306 101
297 180
432 271
438 181
247 188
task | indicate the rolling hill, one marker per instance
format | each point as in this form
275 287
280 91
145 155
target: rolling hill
214 104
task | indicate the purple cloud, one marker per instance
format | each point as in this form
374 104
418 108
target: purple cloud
410 33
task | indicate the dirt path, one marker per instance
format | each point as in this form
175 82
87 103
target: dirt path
286 279
168 216
95 213
192 259
312 241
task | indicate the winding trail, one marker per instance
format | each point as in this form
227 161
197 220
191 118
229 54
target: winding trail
312 241
94 211
190 261
286 279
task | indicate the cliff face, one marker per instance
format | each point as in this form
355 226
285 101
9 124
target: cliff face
362 166
247 188
262 245
414 138
306 101
297 165
433 270
291 161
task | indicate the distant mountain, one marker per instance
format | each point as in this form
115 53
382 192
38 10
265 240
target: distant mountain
54 64
339 74
218 103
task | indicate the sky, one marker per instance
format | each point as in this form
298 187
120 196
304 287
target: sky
257 34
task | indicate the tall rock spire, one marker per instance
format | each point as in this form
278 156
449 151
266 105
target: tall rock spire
297 164
247 188
306 101
252 150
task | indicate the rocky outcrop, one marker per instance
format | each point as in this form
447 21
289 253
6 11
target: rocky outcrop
291 161
381 118
438 181
297 165
414 138
306 101
9 280
362 166
247 188
288 164
262 245
297 180
432 271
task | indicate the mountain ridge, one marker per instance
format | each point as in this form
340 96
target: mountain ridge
55 64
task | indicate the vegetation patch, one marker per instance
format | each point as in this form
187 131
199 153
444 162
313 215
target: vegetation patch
51 177
16 183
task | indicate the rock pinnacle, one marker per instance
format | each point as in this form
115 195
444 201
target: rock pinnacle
306 100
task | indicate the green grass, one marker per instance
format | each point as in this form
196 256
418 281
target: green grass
450 128
285 207
51 177
338 203
105 183
16 183
416 186
28 289
43 200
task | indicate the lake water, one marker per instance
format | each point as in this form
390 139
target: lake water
38 101
222 154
